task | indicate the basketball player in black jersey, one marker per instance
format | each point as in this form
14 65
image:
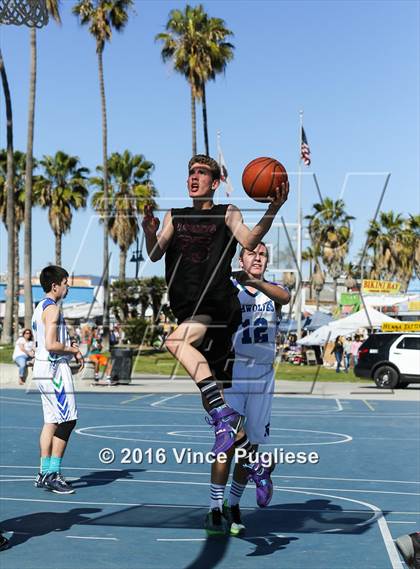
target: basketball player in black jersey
200 243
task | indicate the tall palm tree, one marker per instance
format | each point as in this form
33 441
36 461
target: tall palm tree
330 232
102 16
216 54
7 335
19 161
61 189
130 190
53 11
195 45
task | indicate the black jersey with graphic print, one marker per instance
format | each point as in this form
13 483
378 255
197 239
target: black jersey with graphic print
198 261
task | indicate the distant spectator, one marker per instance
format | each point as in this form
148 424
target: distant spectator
347 353
23 353
113 338
355 345
98 358
338 350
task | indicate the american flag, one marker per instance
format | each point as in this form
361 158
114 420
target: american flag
305 151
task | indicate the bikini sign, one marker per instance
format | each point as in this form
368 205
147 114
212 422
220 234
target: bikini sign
383 287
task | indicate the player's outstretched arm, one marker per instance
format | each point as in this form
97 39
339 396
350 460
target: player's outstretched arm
250 238
276 292
156 243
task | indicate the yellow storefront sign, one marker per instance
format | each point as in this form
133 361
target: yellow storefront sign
383 287
401 326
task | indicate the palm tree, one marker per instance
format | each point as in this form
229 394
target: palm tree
404 249
289 280
414 226
216 54
52 9
102 16
144 296
352 273
383 240
195 45
61 189
157 288
7 335
330 232
19 161
130 190
317 282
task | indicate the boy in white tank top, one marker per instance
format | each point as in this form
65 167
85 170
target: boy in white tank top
52 374
252 388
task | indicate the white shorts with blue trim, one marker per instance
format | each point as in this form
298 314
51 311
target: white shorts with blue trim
251 395
55 383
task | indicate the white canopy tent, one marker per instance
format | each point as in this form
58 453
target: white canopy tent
80 310
363 319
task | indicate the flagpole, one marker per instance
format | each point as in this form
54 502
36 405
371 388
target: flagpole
299 235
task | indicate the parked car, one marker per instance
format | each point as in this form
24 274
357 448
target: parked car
390 359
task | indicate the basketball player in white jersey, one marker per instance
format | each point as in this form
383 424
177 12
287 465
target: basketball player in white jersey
52 373
252 388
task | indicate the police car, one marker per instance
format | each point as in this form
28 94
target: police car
390 359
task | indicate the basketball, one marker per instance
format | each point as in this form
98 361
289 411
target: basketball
261 176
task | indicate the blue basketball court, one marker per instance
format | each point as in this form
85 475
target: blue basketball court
146 508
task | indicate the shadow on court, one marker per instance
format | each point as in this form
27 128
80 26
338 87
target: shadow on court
313 516
263 526
43 523
103 477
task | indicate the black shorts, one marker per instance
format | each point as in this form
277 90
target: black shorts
217 345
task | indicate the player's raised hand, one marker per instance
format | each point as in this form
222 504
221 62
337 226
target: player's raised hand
280 195
150 223
243 278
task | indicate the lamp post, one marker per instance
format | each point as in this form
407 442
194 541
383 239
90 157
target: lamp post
137 256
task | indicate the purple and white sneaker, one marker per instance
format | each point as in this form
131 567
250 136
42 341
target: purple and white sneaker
261 475
227 423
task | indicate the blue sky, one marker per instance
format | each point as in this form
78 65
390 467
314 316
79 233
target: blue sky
353 67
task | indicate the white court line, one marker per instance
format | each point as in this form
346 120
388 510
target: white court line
398 522
165 399
383 526
343 415
369 405
192 506
136 398
84 431
340 407
205 538
183 539
17 479
87 537
195 473
287 488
